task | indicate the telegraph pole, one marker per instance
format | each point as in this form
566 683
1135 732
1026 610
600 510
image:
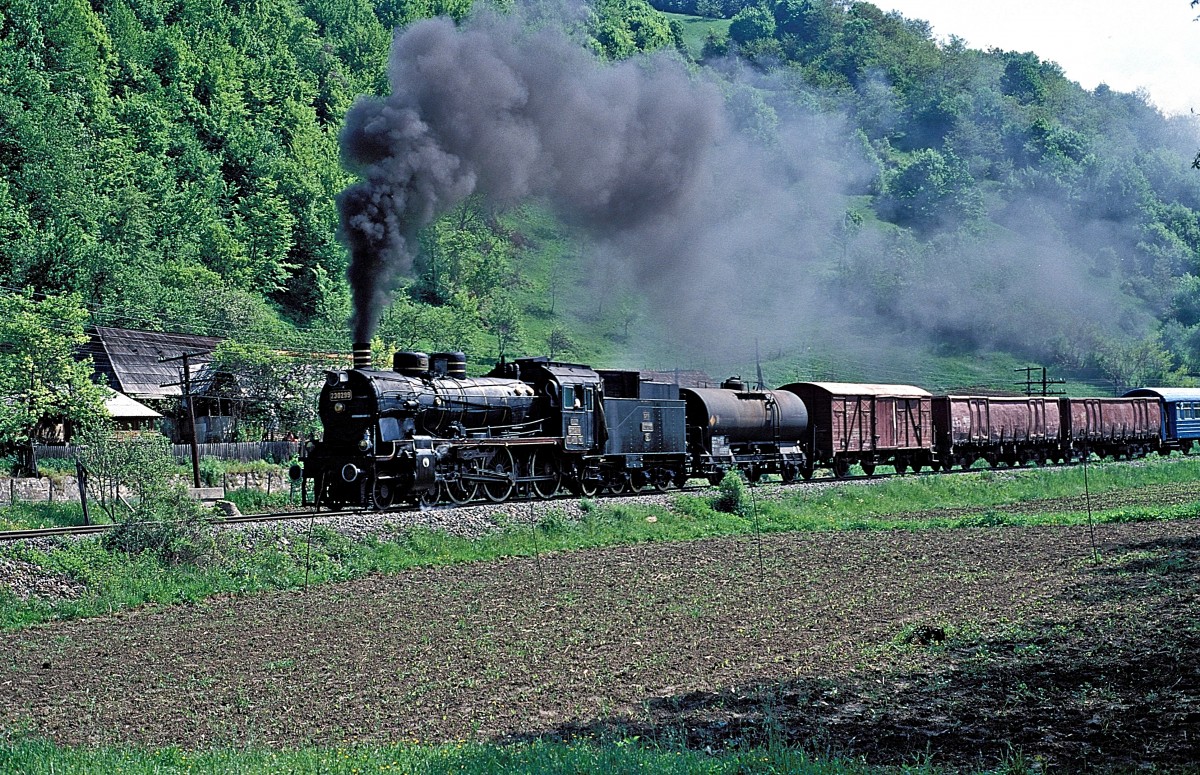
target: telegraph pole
187 397
1030 383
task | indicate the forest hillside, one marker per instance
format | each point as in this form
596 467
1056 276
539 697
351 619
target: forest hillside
815 178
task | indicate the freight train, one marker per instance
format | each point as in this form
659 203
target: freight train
424 432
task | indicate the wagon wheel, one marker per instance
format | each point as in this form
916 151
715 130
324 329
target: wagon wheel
753 474
679 480
806 471
715 477
660 480
917 467
841 467
502 464
965 463
788 473
623 485
869 469
383 494
544 468
460 491
587 487
901 467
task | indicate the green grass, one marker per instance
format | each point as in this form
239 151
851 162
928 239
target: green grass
25 516
696 30
30 757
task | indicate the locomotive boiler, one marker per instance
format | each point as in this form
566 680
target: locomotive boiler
381 429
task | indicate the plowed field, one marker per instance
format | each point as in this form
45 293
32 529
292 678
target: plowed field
953 644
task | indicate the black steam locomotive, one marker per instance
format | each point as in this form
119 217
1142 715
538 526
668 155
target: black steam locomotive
424 432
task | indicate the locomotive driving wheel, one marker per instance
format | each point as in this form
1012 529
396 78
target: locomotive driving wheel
459 491
502 465
430 497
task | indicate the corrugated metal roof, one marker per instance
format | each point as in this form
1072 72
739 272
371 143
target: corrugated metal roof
131 359
122 407
1170 395
859 389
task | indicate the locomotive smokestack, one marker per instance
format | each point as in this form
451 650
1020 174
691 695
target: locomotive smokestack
362 355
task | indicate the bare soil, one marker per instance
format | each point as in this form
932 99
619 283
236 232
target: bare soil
963 646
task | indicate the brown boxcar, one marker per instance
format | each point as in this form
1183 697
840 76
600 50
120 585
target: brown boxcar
1111 427
867 424
997 429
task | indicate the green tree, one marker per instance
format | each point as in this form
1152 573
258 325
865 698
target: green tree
135 481
752 23
276 395
1132 363
933 189
502 318
621 28
43 384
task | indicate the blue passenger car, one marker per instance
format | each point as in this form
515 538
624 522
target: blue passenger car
1181 416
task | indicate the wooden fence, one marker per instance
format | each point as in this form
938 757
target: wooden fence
245 451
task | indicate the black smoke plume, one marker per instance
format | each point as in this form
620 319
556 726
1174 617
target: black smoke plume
494 109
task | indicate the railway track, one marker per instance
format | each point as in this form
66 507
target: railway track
287 516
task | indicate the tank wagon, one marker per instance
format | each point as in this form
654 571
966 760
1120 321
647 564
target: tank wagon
755 431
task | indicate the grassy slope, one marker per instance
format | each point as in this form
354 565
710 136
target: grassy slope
697 28
595 322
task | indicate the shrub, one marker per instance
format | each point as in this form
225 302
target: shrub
732 495
184 539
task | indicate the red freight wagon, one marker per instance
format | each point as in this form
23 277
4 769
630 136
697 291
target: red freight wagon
1112 426
867 424
997 429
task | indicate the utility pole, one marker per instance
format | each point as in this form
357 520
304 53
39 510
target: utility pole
1030 383
187 397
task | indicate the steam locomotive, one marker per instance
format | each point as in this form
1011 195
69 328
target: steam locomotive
424 432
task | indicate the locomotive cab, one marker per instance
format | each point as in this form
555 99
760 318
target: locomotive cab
567 397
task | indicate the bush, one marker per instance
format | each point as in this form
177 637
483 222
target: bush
732 495
181 538
133 481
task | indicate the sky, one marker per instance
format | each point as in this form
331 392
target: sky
1128 44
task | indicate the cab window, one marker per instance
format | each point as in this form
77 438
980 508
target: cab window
568 392
389 429
588 398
